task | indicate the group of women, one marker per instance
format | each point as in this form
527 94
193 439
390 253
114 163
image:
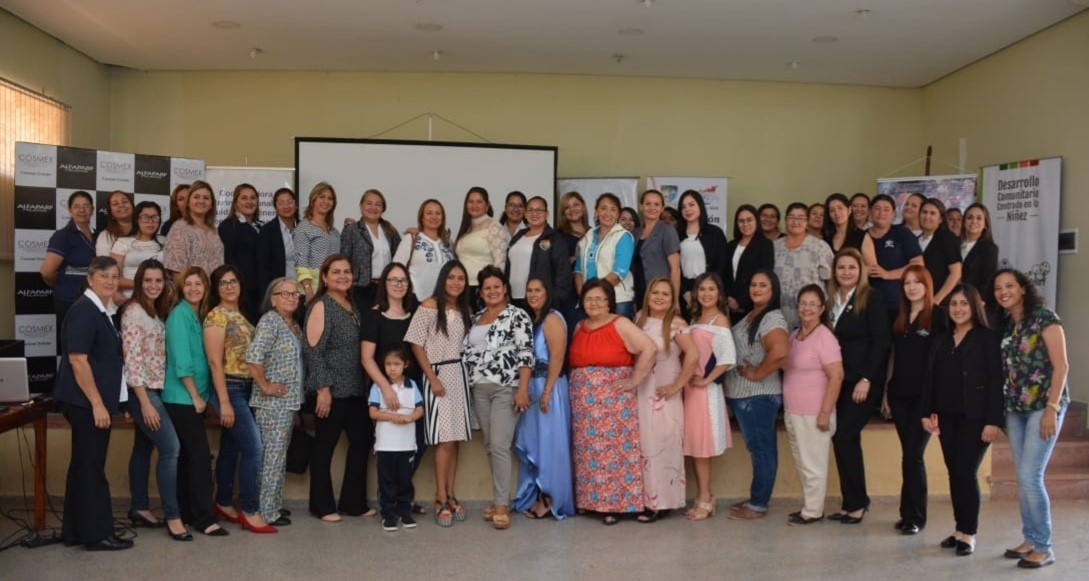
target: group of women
601 356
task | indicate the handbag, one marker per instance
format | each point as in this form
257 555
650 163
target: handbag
299 450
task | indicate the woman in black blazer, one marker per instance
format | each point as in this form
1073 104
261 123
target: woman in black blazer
963 403
276 240
978 250
703 247
548 257
861 324
89 389
756 253
239 232
941 250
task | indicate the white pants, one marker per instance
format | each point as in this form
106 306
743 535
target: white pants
810 447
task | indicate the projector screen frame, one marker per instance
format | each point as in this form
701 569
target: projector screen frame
453 214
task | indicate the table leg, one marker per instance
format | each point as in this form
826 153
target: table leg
39 471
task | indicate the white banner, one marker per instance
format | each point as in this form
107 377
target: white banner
592 188
713 191
266 179
1024 198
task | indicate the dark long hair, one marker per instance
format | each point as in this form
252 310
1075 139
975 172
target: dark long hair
737 215
986 235
503 214
324 270
462 301
136 220
816 289
776 302
1032 300
159 307
695 309
466 220
381 297
217 275
828 230
682 226
539 316
975 303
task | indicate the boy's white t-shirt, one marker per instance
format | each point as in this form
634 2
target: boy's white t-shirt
391 437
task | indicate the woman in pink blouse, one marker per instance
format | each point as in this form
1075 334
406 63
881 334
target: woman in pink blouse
193 240
811 382
143 338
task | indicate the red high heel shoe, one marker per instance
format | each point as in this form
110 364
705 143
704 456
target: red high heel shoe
247 525
225 515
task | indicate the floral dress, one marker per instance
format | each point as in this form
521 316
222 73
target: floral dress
604 423
661 424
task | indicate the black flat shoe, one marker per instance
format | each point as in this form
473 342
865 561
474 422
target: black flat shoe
650 516
951 542
110 543
218 531
1027 564
139 520
837 516
910 529
283 521
964 549
183 537
285 512
853 520
1012 554
899 525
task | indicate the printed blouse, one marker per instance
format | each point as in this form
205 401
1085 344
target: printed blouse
1026 362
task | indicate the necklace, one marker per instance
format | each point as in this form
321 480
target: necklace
804 333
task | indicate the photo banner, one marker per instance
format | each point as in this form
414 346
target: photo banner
266 179
713 191
1024 198
955 191
590 188
45 175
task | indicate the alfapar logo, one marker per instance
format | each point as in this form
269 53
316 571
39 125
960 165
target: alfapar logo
77 168
147 174
34 293
34 208
40 377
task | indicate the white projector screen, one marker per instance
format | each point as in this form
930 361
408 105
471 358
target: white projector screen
409 172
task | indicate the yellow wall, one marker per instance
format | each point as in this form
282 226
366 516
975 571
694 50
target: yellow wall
1029 101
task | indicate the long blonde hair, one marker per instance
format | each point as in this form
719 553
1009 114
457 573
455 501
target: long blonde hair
314 193
562 223
667 320
862 289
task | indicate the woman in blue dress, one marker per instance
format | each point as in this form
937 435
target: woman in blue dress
543 440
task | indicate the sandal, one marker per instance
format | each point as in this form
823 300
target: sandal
701 511
489 513
649 516
418 508
501 521
455 506
444 517
609 520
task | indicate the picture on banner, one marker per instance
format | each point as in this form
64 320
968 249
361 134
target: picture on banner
266 179
955 191
1024 198
591 188
713 191
45 176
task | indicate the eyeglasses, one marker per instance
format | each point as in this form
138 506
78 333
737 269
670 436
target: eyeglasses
149 217
397 281
592 300
537 211
287 295
228 283
82 207
285 202
515 206
809 305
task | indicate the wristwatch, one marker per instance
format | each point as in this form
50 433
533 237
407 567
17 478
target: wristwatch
1057 407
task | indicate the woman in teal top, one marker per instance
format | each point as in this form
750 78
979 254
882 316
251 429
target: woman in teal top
186 389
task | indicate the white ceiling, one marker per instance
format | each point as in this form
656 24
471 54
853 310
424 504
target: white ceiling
901 43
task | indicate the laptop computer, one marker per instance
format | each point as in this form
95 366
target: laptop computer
14 387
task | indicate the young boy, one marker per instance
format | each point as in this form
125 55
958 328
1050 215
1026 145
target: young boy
395 440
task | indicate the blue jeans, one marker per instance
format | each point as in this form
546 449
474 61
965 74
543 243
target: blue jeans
1030 456
165 439
756 417
243 438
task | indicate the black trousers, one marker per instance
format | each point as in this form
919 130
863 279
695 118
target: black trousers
348 415
88 514
395 488
194 466
906 414
851 418
963 451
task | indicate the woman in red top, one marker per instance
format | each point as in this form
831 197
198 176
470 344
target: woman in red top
604 409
